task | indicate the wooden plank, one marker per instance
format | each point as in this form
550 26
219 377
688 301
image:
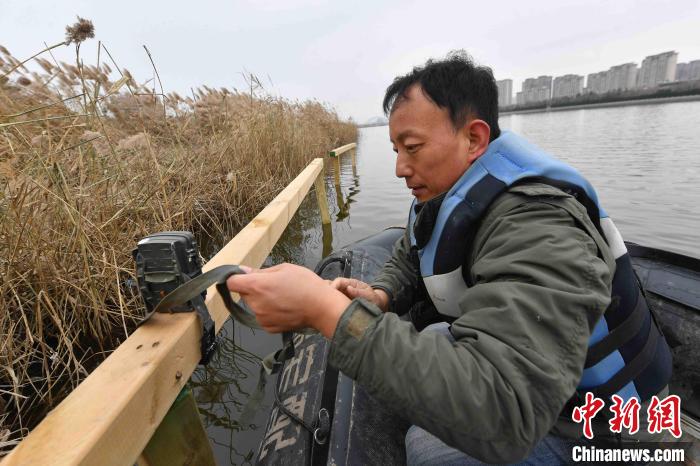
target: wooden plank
110 417
327 239
320 188
342 149
336 172
343 207
180 437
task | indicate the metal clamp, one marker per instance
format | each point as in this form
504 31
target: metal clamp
324 427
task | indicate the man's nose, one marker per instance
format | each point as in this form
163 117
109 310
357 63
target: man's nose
403 168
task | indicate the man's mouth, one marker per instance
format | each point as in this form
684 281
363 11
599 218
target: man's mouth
417 190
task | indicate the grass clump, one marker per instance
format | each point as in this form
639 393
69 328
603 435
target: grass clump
91 161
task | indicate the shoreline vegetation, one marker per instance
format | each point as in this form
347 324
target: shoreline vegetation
91 161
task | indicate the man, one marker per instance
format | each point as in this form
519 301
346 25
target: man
513 250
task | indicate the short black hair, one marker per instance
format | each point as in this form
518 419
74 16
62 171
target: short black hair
456 84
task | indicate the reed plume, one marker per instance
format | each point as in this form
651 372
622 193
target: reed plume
82 30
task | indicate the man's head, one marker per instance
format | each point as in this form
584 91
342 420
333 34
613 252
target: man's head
442 117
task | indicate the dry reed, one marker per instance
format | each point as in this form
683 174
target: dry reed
90 162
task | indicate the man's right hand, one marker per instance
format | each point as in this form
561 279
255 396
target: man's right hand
353 288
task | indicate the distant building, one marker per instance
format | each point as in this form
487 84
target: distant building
694 71
535 90
569 85
617 78
505 92
688 71
622 77
657 69
597 83
519 98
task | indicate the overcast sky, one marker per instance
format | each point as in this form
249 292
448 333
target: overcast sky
346 53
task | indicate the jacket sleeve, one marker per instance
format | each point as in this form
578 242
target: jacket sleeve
399 277
521 340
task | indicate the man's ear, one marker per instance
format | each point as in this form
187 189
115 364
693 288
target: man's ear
479 134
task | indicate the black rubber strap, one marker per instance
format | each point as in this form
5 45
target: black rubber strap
290 414
619 335
322 433
191 291
193 288
208 342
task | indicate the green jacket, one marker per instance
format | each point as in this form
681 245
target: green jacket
542 275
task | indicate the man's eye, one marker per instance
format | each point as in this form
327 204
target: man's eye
395 149
412 147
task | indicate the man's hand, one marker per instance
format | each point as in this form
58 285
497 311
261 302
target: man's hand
353 288
289 297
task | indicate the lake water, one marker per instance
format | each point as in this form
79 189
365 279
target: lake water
644 161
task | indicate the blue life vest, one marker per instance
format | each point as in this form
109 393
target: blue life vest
627 354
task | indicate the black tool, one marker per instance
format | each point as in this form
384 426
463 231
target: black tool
164 262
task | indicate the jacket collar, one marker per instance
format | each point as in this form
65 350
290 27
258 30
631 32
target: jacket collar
426 216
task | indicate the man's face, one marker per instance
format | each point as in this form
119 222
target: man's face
431 155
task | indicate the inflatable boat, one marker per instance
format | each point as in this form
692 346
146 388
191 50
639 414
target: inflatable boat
326 418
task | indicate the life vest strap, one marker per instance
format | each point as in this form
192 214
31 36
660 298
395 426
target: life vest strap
631 369
619 335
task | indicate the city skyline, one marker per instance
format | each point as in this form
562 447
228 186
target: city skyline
654 70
